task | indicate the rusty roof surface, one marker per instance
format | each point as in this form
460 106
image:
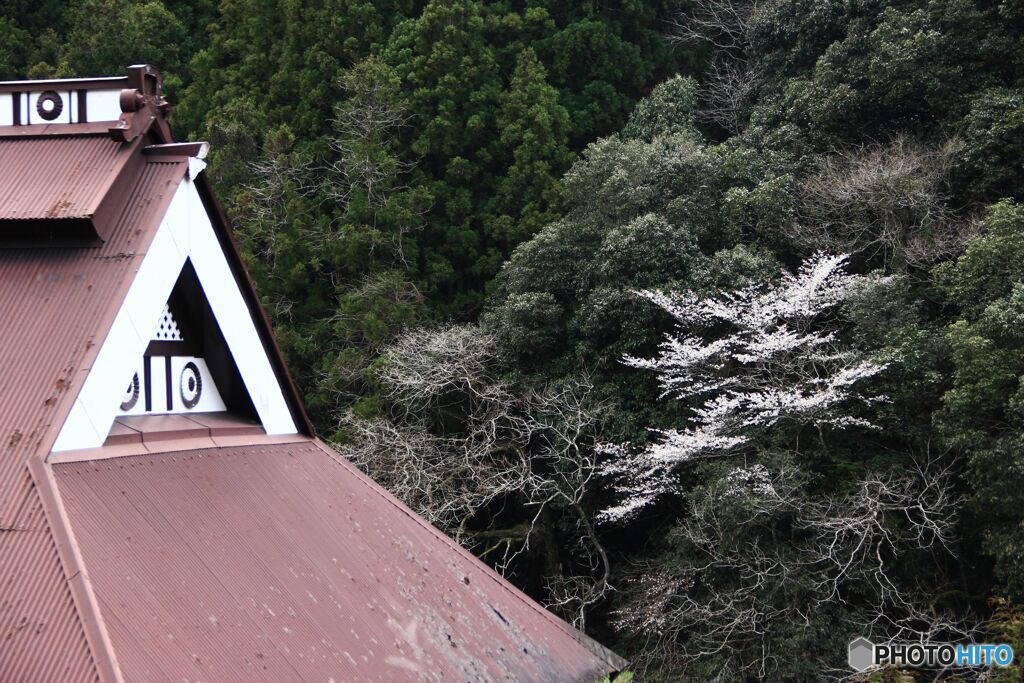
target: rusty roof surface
284 562
37 612
56 305
57 177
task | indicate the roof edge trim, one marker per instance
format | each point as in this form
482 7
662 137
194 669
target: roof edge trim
45 130
75 573
96 83
198 150
247 286
171 446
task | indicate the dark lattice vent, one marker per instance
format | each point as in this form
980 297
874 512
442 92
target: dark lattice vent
167 329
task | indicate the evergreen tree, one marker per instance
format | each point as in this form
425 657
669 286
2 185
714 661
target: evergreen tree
493 180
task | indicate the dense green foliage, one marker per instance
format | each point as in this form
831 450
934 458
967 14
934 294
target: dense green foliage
497 96
845 120
491 99
399 166
981 409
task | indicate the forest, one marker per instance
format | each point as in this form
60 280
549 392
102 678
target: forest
700 320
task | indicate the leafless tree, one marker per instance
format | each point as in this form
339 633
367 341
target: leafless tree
721 23
565 424
725 25
856 532
275 177
460 439
428 368
447 472
363 162
739 581
365 125
723 91
722 602
884 201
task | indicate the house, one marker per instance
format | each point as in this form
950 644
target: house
166 511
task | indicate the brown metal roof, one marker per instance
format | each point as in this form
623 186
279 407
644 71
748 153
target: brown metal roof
56 305
284 562
57 177
37 612
64 189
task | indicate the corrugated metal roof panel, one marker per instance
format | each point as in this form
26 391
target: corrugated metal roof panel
37 612
57 177
284 562
55 307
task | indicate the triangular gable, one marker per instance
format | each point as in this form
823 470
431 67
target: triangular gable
185 247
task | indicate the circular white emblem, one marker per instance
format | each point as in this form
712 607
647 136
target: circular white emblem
191 385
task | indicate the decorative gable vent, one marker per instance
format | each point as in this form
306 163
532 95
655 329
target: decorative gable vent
167 330
184 355
172 377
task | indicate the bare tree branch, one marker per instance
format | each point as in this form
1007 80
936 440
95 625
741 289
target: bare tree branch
460 439
885 201
724 90
721 23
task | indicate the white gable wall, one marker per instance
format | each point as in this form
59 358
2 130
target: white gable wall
6 109
102 105
185 233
